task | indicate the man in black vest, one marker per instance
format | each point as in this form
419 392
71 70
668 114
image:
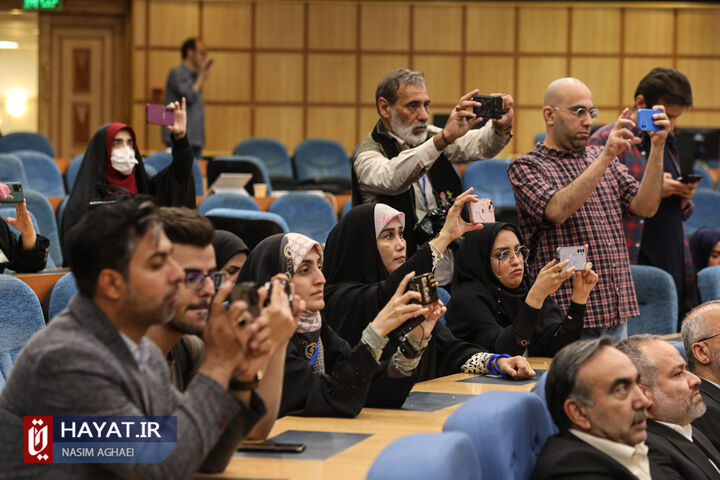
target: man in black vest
701 338
406 163
679 449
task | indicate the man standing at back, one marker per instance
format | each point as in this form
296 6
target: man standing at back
570 195
406 163
187 80
660 240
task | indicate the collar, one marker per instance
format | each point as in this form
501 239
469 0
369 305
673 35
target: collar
711 383
382 130
620 452
684 430
139 351
545 151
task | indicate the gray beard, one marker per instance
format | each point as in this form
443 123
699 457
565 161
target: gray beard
404 131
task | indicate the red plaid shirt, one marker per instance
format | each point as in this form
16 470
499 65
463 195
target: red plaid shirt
636 160
535 177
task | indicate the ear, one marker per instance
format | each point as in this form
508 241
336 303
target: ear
111 284
384 108
548 115
701 353
640 102
576 413
647 391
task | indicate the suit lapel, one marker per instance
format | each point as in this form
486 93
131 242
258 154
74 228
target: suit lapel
690 450
711 391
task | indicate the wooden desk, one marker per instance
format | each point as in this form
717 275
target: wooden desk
41 282
385 426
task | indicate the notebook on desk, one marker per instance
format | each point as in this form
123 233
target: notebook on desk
230 183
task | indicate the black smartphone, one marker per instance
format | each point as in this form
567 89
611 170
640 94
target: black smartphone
16 194
209 63
492 106
690 178
276 447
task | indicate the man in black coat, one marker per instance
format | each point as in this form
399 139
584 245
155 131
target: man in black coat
701 338
593 395
680 450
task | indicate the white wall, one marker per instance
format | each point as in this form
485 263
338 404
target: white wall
19 68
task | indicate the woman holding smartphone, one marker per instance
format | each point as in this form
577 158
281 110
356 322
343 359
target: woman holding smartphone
324 375
496 304
365 264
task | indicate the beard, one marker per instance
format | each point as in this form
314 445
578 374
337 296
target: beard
404 131
680 411
187 321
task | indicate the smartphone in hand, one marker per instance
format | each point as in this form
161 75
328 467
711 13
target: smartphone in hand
160 115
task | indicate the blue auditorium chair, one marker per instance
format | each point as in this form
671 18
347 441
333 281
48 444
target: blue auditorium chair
508 430
428 456
11 169
657 299
445 297
706 212
346 208
60 294
43 174
26 141
275 157
240 164
306 213
249 225
489 178
709 283
72 170
540 137
706 182
323 164
237 201
21 317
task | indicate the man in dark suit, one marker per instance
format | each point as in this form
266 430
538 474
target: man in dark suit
701 338
593 395
679 450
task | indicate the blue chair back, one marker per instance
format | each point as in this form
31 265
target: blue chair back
709 283
657 299
61 293
249 225
21 317
443 295
47 225
237 201
11 169
270 151
508 430
72 170
346 208
490 179
306 213
707 206
160 160
319 159
240 164
539 390
706 182
540 137
680 348
42 173
428 456
26 141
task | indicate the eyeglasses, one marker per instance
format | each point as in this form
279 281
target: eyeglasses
194 279
522 252
580 111
708 338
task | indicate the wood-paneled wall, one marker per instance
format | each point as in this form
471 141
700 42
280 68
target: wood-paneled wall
301 68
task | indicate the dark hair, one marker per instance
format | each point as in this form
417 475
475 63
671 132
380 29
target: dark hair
647 369
666 84
389 85
106 237
562 383
189 44
187 226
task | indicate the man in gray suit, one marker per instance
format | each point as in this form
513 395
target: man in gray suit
93 358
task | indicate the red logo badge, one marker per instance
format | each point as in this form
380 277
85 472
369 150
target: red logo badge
37 439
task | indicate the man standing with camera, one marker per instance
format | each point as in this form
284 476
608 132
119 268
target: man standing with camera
407 163
660 240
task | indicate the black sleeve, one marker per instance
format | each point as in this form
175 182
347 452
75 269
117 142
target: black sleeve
21 260
553 332
452 352
341 391
174 185
387 391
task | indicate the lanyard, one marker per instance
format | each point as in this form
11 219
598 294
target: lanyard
422 190
315 353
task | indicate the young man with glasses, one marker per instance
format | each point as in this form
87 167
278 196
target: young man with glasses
179 339
660 241
701 339
568 194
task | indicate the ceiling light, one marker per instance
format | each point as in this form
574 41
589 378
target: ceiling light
8 45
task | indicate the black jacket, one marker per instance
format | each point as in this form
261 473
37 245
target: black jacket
709 424
680 458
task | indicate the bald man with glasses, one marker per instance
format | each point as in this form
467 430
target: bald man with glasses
569 194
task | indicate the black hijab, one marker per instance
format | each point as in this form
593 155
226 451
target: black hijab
701 244
265 261
173 186
227 245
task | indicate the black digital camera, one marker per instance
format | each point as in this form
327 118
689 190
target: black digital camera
492 106
248 291
426 285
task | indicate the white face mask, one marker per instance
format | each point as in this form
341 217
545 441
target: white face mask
123 160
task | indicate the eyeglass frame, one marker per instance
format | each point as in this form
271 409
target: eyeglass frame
506 252
218 278
708 338
578 110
